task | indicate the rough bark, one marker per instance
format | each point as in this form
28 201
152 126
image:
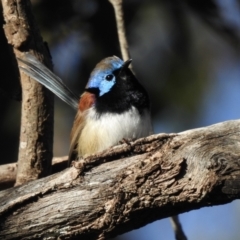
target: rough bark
128 186
36 135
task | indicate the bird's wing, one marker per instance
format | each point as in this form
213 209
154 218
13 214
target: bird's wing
74 137
86 102
35 69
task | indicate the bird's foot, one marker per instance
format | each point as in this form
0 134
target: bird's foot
126 140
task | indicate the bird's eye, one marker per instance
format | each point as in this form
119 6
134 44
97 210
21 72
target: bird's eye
109 77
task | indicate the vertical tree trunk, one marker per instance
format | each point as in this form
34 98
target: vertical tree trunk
36 136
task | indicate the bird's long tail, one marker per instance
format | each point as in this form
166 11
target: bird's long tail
36 70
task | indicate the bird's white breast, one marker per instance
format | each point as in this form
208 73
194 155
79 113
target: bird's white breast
101 132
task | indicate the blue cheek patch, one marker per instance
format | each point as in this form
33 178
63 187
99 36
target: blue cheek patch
105 86
97 80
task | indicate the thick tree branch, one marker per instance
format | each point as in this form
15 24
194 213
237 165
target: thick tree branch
128 186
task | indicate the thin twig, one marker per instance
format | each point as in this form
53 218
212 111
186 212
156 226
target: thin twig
117 5
177 228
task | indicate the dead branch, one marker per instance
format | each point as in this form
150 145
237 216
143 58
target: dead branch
128 186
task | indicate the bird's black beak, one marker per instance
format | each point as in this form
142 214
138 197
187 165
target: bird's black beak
126 64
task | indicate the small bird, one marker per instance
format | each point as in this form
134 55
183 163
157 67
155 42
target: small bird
113 107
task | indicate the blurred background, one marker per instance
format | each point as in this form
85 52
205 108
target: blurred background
185 52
